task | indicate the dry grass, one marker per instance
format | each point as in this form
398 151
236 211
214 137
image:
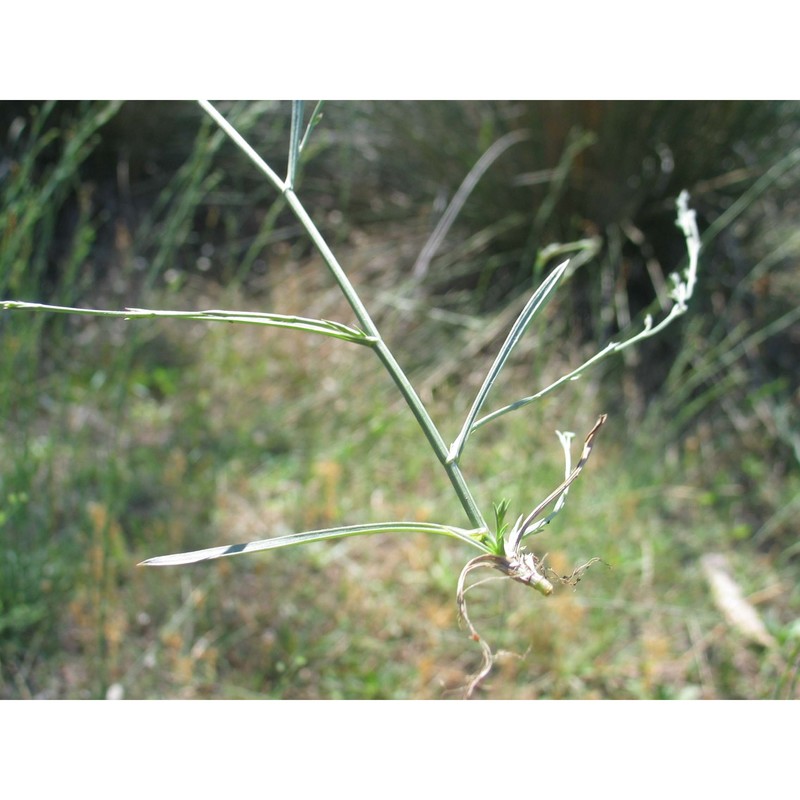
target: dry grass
265 433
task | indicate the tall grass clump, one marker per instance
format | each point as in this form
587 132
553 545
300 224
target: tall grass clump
46 213
65 485
500 539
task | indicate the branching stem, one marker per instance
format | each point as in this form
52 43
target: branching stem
365 321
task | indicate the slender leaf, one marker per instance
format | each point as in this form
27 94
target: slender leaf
534 305
316 116
336 330
457 203
473 537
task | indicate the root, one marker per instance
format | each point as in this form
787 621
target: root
488 657
521 566
524 569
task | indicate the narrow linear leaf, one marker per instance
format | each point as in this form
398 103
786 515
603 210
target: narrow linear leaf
316 116
473 537
336 330
457 203
564 439
525 527
534 305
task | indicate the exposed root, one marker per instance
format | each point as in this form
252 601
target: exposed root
521 566
488 657
523 569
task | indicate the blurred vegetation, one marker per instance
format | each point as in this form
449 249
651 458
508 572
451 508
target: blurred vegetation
123 440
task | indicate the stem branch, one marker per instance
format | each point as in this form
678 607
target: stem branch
362 315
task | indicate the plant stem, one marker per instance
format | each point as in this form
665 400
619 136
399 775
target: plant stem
362 315
389 362
294 142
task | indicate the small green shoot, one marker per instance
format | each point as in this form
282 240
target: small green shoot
316 118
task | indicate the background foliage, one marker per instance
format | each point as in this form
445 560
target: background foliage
125 440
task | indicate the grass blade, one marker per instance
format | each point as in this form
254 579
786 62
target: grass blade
452 211
473 537
526 526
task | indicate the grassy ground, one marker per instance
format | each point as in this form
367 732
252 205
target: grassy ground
132 439
231 434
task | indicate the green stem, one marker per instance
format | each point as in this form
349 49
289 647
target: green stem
294 142
384 354
390 363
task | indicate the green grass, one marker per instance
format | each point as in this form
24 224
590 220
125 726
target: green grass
210 462
130 439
